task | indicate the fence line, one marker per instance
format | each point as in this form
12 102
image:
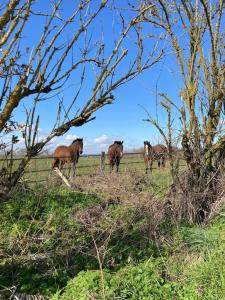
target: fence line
81 156
101 165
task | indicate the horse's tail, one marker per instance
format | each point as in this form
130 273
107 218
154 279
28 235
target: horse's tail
55 163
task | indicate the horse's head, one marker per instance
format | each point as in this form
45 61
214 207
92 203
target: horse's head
79 144
120 146
147 148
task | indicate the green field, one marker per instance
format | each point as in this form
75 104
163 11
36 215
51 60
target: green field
39 169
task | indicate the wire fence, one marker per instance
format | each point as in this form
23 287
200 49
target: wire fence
39 168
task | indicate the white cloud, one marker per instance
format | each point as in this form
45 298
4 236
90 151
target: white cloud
99 143
71 137
21 140
41 130
92 145
103 139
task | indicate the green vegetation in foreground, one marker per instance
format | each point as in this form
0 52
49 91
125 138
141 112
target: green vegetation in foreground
37 237
194 272
43 245
45 250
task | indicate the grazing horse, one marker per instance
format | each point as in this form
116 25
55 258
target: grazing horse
68 154
151 153
115 153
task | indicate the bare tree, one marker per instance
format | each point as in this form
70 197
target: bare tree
66 49
195 33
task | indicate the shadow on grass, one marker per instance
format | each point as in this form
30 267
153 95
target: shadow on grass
42 275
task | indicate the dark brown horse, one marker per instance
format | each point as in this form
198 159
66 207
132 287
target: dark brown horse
151 153
115 153
68 154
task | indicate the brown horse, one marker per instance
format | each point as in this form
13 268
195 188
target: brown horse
115 153
151 153
68 154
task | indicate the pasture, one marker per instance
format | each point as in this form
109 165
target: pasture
39 169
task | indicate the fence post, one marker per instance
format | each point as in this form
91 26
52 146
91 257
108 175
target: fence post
102 161
62 176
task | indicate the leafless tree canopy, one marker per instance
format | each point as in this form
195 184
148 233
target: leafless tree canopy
195 35
37 63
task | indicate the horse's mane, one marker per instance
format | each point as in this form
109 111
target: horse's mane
77 140
118 142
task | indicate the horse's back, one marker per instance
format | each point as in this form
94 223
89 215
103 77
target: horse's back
113 151
160 149
110 150
62 152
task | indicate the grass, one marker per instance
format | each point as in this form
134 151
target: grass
46 243
37 237
39 169
43 245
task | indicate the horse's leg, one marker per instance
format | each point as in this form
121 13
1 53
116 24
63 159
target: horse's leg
159 163
146 167
74 167
112 163
60 167
151 163
55 163
163 162
117 164
69 170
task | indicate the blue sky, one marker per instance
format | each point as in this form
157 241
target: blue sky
122 120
